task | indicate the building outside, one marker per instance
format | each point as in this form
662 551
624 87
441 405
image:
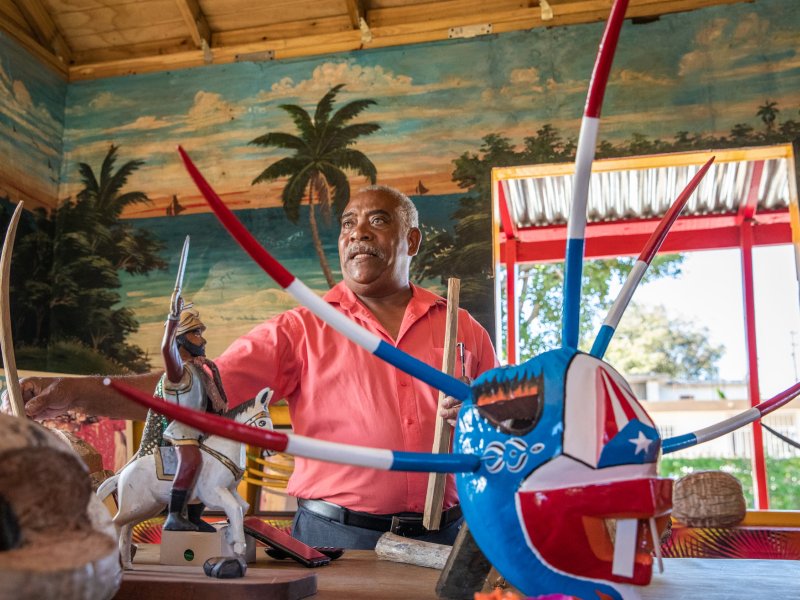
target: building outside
680 407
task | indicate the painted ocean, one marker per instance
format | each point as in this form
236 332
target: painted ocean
228 288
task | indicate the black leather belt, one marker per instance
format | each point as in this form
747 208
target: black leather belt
405 524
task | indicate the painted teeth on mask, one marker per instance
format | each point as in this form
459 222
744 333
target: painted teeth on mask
656 544
625 539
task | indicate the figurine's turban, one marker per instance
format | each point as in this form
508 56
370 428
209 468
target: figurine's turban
189 321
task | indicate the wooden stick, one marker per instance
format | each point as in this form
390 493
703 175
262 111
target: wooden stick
6 341
434 499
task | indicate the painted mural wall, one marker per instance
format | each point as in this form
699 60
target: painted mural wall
447 112
32 101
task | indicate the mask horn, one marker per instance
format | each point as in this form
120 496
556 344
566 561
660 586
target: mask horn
298 445
355 333
643 262
6 341
587 139
712 432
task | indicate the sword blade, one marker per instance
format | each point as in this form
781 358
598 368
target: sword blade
182 266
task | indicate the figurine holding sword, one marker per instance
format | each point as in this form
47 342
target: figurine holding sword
192 381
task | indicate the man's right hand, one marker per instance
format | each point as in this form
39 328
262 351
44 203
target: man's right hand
53 397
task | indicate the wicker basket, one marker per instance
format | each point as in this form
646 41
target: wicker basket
708 499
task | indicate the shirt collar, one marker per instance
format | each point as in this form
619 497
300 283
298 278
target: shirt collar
421 299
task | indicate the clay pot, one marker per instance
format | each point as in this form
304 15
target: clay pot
62 543
708 499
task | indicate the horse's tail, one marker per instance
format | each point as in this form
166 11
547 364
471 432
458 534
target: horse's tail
107 487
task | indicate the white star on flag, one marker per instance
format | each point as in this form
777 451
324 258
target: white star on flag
642 443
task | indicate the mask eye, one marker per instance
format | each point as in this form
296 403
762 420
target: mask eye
513 406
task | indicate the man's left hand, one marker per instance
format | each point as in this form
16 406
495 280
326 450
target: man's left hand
449 409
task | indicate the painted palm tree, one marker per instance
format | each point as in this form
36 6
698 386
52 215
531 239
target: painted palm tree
322 151
768 113
99 208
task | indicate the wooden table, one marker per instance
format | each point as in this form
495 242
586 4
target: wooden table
359 575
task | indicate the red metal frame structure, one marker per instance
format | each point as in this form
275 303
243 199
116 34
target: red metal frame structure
743 225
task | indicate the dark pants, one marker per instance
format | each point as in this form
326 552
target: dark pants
316 530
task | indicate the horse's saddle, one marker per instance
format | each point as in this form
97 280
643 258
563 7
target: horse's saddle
166 459
166 462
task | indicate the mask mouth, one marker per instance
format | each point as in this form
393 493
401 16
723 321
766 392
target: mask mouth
607 531
513 406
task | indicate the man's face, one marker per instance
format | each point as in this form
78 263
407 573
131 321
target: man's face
375 247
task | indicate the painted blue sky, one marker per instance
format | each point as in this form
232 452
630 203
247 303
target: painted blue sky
700 72
31 122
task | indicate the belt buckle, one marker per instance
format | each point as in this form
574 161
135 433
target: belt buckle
405 527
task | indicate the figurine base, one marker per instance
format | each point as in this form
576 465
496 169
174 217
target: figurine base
191 548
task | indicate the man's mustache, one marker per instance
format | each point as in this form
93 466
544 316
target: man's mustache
362 248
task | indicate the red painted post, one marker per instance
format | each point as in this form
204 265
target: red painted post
512 303
510 246
760 488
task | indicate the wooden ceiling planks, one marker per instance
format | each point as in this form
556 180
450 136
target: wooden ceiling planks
87 39
195 21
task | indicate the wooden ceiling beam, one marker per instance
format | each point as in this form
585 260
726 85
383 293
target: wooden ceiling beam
196 21
387 31
355 10
44 28
287 30
25 39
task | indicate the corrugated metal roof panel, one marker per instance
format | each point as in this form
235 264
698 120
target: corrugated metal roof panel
648 193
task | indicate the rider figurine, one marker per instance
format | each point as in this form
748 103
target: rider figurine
192 381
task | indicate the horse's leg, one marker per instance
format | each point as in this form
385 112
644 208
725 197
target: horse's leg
125 536
223 498
242 502
139 497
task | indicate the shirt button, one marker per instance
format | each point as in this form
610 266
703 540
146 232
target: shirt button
409 421
403 384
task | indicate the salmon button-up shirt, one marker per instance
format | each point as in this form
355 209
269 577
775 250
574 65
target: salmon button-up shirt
339 392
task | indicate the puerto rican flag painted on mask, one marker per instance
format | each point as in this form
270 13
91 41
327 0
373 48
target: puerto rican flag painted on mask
618 431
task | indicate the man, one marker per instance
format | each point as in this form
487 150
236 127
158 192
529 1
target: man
337 391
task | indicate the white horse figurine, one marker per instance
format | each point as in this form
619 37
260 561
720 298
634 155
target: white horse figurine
141 495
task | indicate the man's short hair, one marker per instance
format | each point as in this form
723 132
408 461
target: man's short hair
408 211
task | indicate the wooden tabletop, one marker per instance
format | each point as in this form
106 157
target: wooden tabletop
360 575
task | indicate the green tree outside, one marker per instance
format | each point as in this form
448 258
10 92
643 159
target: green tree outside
649 340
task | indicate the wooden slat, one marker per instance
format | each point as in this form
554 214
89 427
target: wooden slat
434 497
9 11
355 10
44 28
142 15
195 21
311 36
430 11
286 48
130 36
282 30
135 51
270 13
24 39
